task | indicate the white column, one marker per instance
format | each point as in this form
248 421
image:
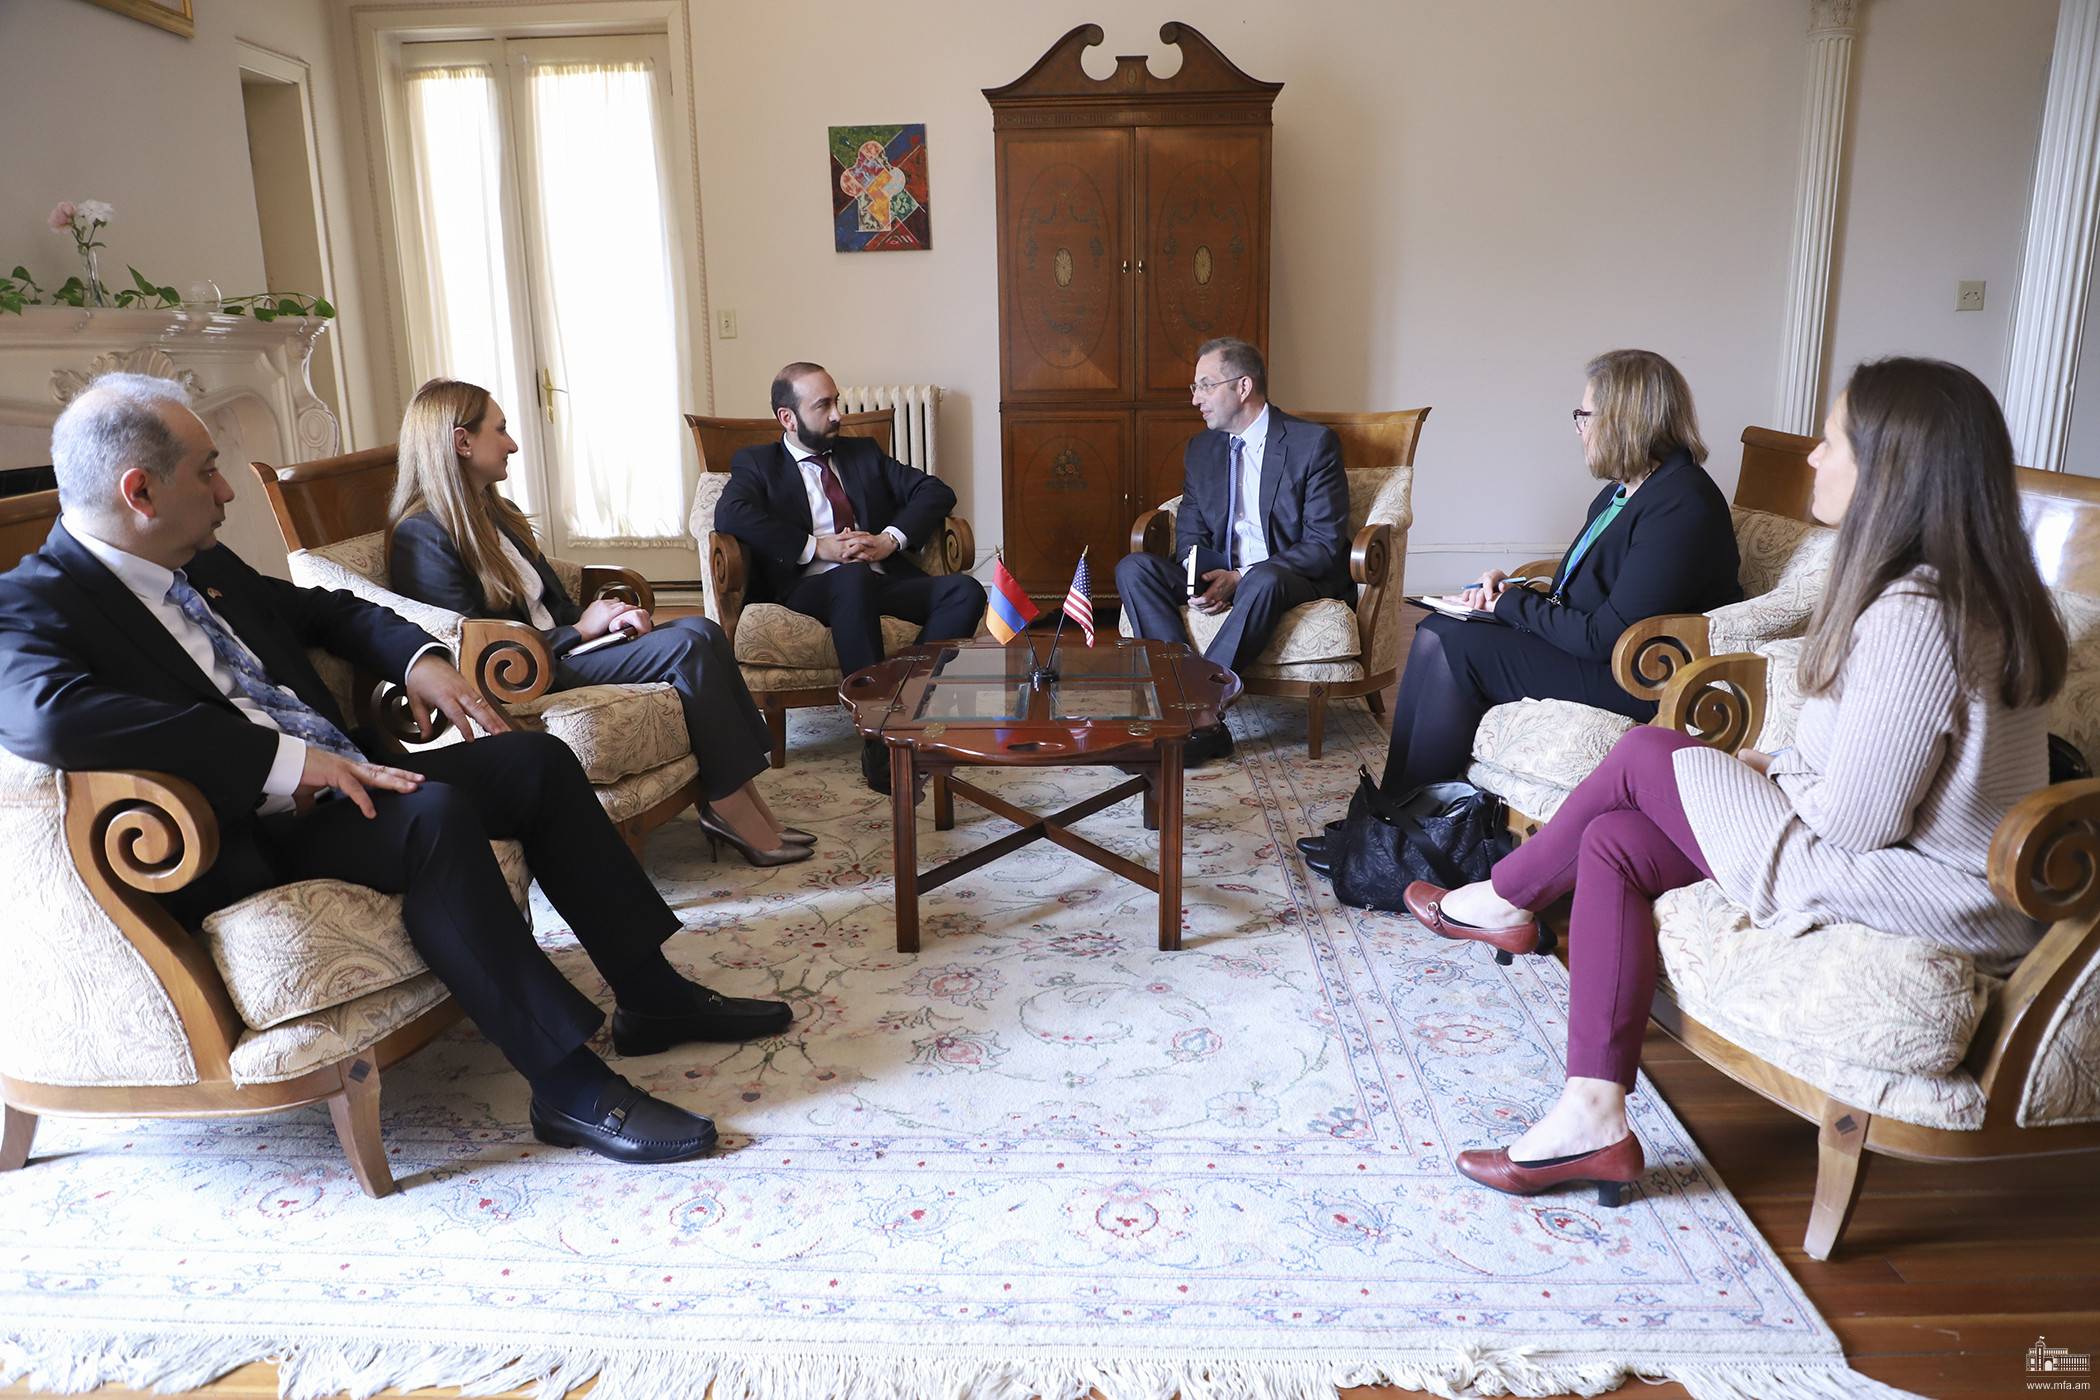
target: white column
1830 34
2056 265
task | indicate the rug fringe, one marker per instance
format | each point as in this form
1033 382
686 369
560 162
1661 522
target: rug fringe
312 1369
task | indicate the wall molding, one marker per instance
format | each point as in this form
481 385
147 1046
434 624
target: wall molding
2056 263
1832 26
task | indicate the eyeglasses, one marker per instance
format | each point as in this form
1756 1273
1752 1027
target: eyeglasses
1582 418
1204 386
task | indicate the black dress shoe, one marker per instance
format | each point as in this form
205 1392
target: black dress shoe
711 1016
1319 866
629 1126
1206 744
875 765
1313 847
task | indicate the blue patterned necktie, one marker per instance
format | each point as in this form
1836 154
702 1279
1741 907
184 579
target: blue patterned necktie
1232 502
291 714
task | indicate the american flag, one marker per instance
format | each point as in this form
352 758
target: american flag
1078 605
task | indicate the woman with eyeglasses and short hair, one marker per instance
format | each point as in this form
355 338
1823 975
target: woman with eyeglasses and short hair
1659 539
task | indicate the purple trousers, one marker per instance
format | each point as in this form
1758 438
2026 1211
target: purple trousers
1619 840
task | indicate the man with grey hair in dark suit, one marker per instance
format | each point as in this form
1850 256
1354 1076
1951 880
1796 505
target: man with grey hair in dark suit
1264 507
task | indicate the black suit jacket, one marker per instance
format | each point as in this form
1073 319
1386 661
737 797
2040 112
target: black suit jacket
89 679
1304 500
765 506
424 564
1671 550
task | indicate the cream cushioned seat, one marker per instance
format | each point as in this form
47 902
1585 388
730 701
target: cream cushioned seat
631 739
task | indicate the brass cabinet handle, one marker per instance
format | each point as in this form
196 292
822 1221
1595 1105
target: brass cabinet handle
1126 264
1141 266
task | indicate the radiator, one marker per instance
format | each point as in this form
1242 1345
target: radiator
916 407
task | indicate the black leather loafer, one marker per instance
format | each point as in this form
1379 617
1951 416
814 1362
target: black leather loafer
711 1016
631 1126
1319 865
1205 745
1313 847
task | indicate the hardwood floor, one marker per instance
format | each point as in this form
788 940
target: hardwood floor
1948 1273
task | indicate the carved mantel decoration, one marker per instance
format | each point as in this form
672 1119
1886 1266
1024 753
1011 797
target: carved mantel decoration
249 380
1133 226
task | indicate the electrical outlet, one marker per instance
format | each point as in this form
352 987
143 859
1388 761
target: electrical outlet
1968 296
725 321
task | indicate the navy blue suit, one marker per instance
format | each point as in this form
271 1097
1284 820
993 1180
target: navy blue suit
1671 550
767 507
90 680
1304 513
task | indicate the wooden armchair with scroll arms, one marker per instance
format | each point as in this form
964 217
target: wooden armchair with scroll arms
787 658
1325 650
631 739
298 995
1887 1042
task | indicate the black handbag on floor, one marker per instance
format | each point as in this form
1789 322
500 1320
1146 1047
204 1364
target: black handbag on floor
1446 833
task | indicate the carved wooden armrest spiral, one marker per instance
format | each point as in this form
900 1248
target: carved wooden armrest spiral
2045 857
607 581
151 832
729 566
1653 650
1541 570
1718 700
383 708
1153 534
952 550
508 661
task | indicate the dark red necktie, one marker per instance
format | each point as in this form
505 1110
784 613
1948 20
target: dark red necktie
842 516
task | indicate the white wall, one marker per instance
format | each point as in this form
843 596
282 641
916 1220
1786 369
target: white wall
1470 199
1947 110
97 105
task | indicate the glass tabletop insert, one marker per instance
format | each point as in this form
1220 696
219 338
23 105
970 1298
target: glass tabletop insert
1111 680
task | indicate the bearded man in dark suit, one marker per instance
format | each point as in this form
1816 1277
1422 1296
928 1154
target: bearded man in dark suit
133 639
1265 505
830 521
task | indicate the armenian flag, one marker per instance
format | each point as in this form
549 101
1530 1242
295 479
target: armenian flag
1010 609
1079 606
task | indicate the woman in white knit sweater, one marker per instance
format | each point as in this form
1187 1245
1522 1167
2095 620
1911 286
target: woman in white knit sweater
1926 670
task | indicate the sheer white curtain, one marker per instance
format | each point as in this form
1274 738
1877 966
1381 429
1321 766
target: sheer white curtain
604 287
456 146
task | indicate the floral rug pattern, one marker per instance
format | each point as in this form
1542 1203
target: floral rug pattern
1036 1156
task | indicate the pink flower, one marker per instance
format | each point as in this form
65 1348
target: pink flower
62 216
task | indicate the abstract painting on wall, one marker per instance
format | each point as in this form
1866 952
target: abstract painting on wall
878 188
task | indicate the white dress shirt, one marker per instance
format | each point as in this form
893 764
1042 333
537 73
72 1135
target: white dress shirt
149 583
1247 519
529 586
821 522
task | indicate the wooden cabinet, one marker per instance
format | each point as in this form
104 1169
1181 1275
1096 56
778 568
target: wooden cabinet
1133 226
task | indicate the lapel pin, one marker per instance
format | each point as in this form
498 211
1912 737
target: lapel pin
214 594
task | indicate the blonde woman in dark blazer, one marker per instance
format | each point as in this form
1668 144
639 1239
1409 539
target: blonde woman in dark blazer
456 542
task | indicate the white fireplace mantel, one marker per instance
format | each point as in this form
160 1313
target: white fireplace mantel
249 380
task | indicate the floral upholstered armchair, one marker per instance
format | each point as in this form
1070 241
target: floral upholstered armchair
1887 1041
296 995
631 739
1532 753
787 657
1326 650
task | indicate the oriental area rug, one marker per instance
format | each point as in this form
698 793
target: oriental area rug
1038 1157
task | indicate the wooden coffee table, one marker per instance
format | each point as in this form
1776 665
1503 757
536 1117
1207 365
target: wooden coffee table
1123 703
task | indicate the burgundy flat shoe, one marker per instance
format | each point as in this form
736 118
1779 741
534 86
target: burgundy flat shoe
1424 901
1610 1169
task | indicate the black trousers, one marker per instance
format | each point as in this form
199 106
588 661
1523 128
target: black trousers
431 847
1458 670
728 733
1155 591
853 599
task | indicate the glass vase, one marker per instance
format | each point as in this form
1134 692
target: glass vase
93 293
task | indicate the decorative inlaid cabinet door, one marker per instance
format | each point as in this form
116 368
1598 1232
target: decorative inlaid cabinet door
1064 491
1065 255
1162 455
1204 246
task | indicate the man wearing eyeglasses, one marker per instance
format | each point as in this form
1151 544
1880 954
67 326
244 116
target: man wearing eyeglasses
1265 513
